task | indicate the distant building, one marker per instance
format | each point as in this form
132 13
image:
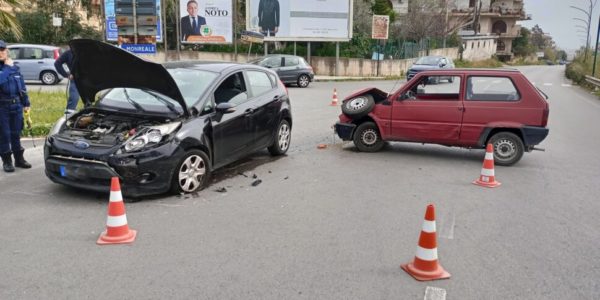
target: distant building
496 22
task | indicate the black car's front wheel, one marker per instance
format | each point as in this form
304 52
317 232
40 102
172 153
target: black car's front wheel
283 136
192 172
303 81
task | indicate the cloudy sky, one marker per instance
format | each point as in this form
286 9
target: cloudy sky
556 18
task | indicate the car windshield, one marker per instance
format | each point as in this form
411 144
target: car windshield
428 60
192 84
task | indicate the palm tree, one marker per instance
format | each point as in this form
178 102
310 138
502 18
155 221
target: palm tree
8 21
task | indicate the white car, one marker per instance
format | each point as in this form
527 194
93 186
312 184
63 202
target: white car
36 62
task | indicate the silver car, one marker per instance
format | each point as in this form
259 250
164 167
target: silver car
36 62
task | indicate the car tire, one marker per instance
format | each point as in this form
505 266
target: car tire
508 148
358 107
282 138
303 81
192 172
49 78
367 137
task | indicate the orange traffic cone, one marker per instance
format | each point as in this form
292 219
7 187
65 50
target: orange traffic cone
487 178
425 265
117 230
334 99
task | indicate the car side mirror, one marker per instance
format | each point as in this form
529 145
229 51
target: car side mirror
225 108
442 65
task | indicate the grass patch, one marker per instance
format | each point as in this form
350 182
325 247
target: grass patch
46 108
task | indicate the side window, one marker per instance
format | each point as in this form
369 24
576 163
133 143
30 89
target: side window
491 88
32 53
13 53
272 62
232 90
259 82
436 88
48 54
291 61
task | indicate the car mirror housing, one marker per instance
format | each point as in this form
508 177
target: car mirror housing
225 108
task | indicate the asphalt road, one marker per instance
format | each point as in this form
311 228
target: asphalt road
328 224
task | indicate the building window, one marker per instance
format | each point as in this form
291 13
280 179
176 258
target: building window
501 47
499 27
472 3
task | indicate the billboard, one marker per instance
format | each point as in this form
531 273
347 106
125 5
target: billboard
381 26
206 21
305 20
111 21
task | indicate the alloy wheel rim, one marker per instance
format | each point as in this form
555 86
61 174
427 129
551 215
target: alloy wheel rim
191 173
48 78
284 137
303 80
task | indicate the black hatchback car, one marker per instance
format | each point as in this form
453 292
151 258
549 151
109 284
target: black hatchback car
290 68
163 127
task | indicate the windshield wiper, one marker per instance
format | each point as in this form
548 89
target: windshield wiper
135 104
163 100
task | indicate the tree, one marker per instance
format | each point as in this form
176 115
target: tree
427 18
522 46
8 22
538 39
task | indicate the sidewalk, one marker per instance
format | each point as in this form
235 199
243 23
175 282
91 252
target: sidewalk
344 78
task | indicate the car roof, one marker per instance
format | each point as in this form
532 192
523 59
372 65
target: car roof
212 66
474 70
45 47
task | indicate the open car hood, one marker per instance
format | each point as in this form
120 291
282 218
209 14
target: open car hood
98 66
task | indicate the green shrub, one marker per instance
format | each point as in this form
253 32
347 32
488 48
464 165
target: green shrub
576 72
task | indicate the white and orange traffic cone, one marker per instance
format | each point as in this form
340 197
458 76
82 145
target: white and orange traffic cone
425 265
117 230
334 99
487 177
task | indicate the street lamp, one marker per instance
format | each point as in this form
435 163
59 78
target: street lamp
588 13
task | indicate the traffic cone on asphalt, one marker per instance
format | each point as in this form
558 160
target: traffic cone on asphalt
117 230
425 265
487 178
334 99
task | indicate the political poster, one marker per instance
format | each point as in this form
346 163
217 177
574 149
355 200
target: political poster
206 21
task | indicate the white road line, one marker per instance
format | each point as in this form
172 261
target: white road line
547 84
565 85
446 231
433 293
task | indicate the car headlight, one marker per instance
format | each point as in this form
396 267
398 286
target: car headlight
57 126
150 136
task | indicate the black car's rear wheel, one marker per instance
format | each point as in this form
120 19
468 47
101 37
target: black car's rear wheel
283 136
303 81
192 172
367 138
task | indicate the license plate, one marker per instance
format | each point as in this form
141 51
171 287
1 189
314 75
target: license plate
63 171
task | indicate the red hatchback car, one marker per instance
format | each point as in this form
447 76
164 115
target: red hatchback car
459 107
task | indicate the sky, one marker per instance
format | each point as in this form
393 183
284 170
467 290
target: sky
555 17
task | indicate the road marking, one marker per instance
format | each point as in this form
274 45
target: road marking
447 232
565 85
547 84
433 293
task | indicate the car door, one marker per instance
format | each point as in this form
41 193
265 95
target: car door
266 102
233 132
274 63
430 110
290 69
31 62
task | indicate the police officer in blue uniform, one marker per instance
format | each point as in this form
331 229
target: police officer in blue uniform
13 101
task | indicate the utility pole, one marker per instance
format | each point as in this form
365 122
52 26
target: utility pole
587 22
596 50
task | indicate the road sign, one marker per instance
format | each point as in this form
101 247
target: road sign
140 48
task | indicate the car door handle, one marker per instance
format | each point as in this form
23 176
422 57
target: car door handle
249 111
40 62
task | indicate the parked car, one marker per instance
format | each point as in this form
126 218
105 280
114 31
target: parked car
36 62
430 63
475 108
163 127
291 69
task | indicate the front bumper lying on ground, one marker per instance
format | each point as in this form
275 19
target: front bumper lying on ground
345 130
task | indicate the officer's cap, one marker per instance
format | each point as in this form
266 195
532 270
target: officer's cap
2 44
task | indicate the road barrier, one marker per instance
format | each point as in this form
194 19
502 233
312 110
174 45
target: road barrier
593 80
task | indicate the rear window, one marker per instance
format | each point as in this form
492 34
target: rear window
291 61
491 88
